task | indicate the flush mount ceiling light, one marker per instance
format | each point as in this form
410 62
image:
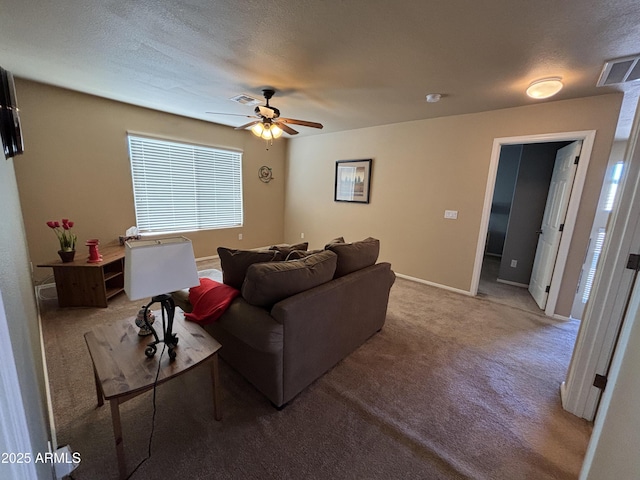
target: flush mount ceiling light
433 97
545 87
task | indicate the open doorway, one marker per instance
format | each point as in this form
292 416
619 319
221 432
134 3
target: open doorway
556 273
521 192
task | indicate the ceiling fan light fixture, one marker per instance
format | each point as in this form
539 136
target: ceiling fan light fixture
257 129
266 131
276 131
545 87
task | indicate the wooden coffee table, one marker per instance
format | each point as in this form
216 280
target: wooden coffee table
122 371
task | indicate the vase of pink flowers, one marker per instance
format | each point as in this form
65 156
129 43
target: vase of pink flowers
66 238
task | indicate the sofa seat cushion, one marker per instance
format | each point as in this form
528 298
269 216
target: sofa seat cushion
210 300
234 263
355 256
267 283
252 326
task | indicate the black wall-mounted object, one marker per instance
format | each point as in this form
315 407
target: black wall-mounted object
10 129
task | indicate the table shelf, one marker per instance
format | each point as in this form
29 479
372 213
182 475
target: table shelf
109 275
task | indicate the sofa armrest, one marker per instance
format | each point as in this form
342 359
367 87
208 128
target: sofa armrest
324 324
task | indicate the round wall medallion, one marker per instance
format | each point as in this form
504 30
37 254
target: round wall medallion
265 174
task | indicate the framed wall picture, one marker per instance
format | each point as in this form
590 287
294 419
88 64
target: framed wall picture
353 181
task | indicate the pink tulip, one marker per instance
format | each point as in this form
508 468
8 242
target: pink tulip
65 226
56 224
70 224
51 224
65 220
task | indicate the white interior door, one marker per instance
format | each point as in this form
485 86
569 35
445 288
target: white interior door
555 212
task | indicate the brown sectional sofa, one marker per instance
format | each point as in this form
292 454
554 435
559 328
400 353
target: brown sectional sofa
296 319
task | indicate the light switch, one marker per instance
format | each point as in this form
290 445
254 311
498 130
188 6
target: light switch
451 214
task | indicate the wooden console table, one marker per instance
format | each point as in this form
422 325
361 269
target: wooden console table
83 284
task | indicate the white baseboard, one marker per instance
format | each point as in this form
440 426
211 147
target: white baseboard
561 317
43 286
433 284
212 257
563 394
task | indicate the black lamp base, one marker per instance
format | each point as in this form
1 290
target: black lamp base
170 339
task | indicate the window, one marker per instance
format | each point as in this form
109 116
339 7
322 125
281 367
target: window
178 187
594 263
613 186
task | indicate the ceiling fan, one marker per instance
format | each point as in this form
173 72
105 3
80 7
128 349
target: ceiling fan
268 123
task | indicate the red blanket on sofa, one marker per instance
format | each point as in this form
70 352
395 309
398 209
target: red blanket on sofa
210 300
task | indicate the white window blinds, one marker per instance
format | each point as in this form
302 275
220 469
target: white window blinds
179 187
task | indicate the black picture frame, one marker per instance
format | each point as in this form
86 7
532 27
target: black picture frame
353 181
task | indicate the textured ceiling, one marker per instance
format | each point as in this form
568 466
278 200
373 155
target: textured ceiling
344 63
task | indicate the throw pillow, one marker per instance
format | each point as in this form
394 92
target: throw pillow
268 283
234 263
210 300
335 240
285 248
297 254
355 256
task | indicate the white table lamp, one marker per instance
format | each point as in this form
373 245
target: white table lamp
153 268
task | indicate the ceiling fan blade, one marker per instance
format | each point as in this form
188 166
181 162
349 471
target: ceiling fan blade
304 123
286 128
246 125
233 114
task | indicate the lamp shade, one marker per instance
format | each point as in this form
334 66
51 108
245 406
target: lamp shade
257 129
276 131
155 267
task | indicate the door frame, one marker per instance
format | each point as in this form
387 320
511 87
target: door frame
588 138
611 286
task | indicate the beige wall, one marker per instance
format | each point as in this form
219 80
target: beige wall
22 320
76 166
423 167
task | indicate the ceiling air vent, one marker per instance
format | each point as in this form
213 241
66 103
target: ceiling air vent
621 70
245 99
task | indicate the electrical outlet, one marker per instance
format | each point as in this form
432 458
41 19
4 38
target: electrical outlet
239 236
514 263
451 214
302 235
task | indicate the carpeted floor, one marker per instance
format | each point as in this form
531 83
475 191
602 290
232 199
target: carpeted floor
506 294
452 387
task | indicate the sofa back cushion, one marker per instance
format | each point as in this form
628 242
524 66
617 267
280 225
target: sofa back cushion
267 283
234 263
355 256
